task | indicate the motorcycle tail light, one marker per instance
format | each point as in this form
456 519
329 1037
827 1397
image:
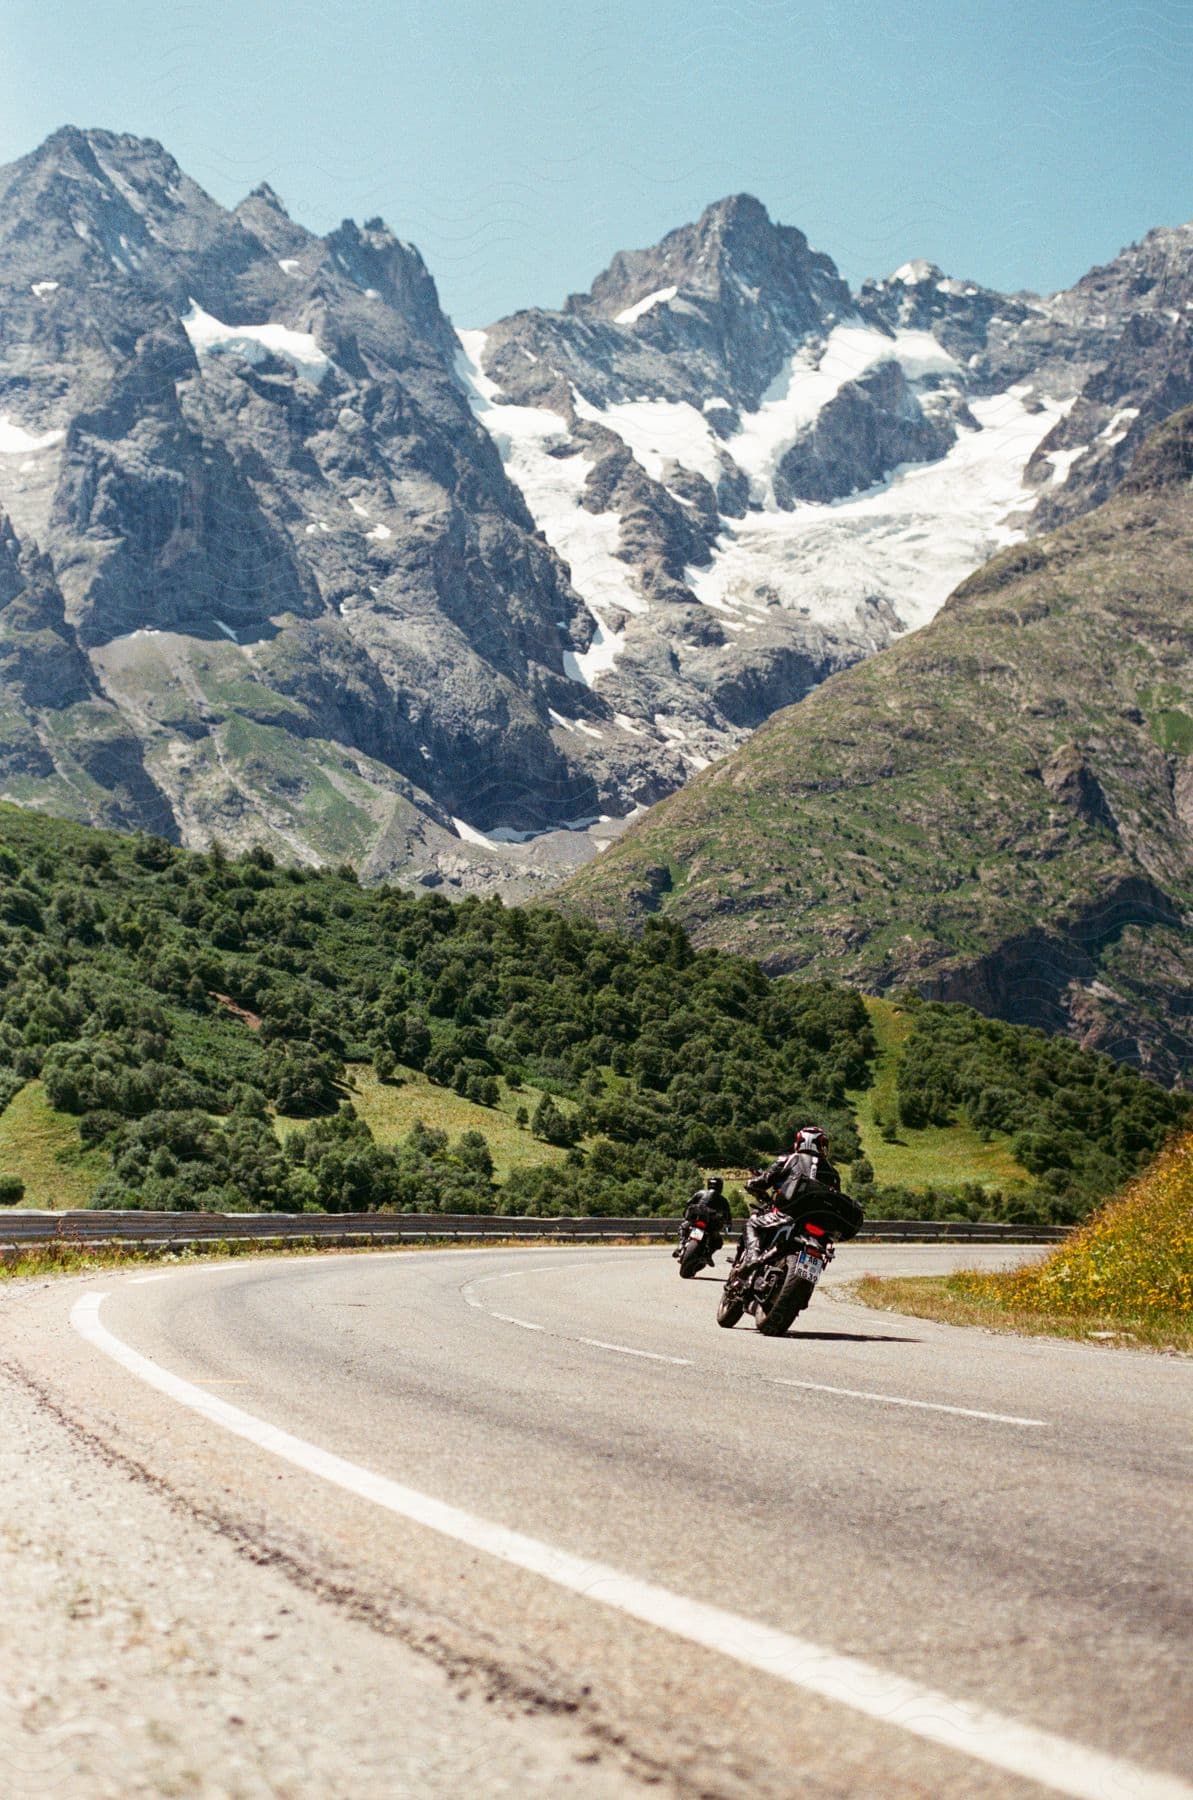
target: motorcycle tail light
816 1230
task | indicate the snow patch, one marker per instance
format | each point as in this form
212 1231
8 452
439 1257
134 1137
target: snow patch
289 265
659 432
16 441
551 485
1062 461
914 274
905 543
470 835
255 342
599 658
1116 430
814 375
631 314
42 288
379 533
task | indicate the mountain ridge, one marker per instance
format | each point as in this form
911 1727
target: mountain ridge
998 809
454 606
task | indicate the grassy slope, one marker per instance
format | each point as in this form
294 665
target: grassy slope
1125 1277
42 1147
390 1111
899 824
938 1156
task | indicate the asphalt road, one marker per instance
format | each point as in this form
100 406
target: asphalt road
529 1464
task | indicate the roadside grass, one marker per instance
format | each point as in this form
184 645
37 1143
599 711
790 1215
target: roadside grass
948 1300
41 1147
390 1110
1126 1277
939 1155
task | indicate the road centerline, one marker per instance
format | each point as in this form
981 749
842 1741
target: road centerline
625 1350
985 1736
816 1387
965 1412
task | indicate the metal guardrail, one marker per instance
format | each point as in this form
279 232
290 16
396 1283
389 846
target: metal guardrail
19 1229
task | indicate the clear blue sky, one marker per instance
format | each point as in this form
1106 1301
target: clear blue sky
520 142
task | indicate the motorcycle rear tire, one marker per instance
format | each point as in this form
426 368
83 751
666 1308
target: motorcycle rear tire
729 1311
790 1301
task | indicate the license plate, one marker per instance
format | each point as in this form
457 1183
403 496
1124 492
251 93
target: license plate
696 1232
808 1267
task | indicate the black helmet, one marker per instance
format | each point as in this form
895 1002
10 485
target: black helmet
716 1184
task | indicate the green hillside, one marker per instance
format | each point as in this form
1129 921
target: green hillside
997 810
948 1155
41 1149
181 1030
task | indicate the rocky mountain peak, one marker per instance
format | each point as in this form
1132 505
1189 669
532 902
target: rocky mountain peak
94 151
269 197
102 206
733 253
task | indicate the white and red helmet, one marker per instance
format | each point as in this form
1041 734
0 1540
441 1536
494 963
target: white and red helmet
812 1140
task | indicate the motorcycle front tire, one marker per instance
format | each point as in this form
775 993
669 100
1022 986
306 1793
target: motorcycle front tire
729 1310
692 1260
790 1300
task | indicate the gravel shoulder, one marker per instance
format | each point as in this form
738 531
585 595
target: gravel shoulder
142 1653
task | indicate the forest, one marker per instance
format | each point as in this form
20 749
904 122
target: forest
184 1006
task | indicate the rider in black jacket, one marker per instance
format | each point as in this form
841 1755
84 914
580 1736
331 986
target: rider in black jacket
708 1203
804 1174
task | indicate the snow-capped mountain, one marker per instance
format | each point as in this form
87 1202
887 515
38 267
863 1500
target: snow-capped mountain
289 559
755 476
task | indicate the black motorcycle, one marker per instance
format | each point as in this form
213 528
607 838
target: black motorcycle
697 1249
777 1285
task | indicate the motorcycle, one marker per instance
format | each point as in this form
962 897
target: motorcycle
698 1249
777 1285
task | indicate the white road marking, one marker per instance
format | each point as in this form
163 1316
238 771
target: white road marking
818 1387
624 1350
966 1412
959 1725
140 1280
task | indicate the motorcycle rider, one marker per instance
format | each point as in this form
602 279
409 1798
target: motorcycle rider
709 1203
803 1174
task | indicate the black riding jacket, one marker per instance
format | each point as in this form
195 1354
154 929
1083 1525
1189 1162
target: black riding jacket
713 1205
810 1172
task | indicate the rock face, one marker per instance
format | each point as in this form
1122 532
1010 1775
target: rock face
997 809
310 568
260 537
777 477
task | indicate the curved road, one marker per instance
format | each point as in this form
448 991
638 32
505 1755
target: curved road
877 1557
